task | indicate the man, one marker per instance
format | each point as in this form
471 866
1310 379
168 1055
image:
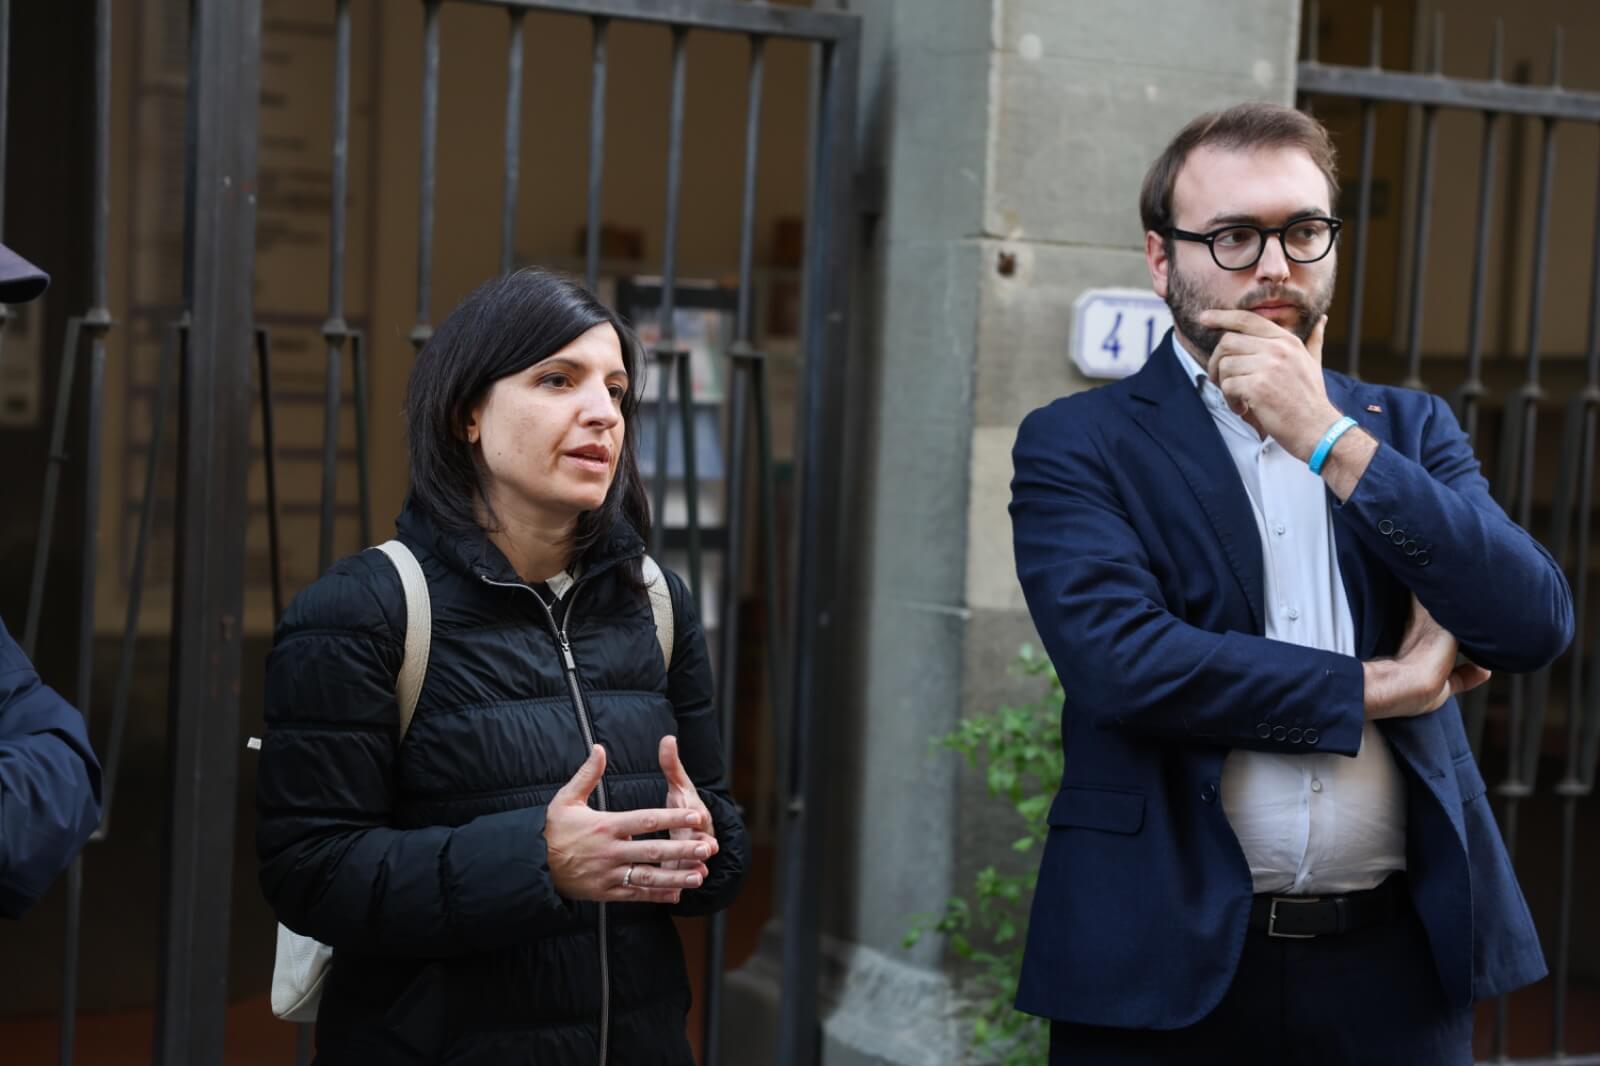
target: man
1271 844
49 777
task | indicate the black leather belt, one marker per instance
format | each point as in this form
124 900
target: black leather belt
1304 917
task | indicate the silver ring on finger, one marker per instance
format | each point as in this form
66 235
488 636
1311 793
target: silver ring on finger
627 877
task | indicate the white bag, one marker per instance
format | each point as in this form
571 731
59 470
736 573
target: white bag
302 963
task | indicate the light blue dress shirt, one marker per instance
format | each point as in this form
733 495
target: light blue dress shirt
1308 824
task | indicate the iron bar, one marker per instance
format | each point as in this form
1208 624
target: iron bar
208 591
5 101
5 90
1470 395
98 315
172 338
777 668
269 457
1358 265
508 213
334 330
1408 87
728 679
1569 788
358 386
829 247
597 155
52 484
95 323
426 186
1572 786
728 16
747 201
66 1035
666 313
740 381
1524 734
691 480
1419 236
340 178
331 401
1475 704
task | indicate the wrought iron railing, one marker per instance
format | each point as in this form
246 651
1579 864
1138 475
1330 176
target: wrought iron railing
1523 700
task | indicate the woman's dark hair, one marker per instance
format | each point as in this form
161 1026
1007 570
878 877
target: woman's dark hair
504 326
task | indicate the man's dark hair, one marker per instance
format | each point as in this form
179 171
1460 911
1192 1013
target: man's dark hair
504 326
1240 128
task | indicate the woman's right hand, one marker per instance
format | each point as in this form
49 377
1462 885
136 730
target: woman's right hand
591 853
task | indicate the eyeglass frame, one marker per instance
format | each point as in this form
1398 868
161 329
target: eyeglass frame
1262 233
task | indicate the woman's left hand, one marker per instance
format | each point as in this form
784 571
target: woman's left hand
682 793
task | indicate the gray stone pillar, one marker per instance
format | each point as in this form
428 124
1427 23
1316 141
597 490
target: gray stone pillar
1012 136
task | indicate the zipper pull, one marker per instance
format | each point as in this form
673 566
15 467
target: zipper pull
566 650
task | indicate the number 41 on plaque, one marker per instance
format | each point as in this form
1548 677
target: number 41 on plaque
1115 330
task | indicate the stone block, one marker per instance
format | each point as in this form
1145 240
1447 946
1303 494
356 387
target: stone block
1025 321
1085 97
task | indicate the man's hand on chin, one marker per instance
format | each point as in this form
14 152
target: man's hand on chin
1274 381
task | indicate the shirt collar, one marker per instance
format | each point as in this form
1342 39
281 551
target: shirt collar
1211 395
1196 372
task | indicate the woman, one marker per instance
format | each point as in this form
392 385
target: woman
498 887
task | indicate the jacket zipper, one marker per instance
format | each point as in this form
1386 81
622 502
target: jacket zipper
570 669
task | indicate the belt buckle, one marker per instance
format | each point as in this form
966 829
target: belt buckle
1272 917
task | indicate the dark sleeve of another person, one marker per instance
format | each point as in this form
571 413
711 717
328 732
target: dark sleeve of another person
49 782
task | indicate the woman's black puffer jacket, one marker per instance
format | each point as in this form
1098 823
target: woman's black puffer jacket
423 863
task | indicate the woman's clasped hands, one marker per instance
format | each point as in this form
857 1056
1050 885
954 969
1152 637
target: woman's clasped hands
593 855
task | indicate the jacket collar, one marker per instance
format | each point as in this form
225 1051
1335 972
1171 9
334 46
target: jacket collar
474 554
1169 408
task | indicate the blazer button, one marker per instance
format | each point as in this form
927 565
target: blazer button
1263 731
1311 736
1279 732
1422 558
1386 527
1208 792
1294 735
1398 537
1409 547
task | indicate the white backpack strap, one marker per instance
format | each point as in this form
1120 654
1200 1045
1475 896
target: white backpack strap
655 583
419 630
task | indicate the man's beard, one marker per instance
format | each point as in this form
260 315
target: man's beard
1186 298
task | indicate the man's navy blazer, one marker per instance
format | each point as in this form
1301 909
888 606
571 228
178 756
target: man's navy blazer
1139 556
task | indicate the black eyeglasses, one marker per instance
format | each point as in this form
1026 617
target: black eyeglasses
1239 247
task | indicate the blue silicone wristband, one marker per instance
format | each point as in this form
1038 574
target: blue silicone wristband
1325 445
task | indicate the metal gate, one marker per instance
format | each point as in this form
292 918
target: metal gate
212 346
1556 712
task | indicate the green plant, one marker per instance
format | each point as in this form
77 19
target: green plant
1019 748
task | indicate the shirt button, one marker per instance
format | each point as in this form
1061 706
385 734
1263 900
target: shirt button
1292 613
1316 786
1280 529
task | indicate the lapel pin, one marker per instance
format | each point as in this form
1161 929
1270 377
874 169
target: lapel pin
1374 408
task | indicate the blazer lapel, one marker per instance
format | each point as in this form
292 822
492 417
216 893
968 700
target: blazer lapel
1365 603
1171 411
